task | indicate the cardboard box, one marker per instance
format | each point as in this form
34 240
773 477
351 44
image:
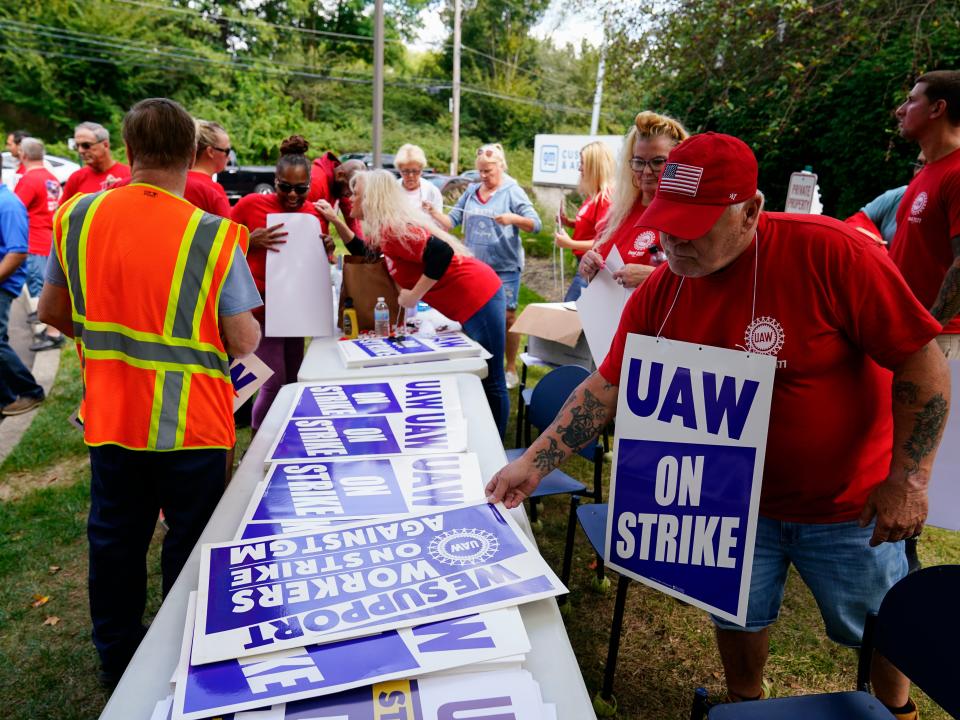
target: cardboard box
554 334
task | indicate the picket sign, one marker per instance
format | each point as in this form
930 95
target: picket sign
231 685
376 351
691 434
289 591
248 374
303 496
386 396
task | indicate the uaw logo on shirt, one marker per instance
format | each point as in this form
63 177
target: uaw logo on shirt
919 204
765 336
645 240
464 546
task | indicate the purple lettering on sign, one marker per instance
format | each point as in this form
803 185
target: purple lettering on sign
336 437
391 347
345 400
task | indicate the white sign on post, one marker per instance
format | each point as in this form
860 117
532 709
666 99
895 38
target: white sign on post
556 158
298 280
688 466
800 193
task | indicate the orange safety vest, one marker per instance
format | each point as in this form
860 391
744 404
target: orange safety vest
144 270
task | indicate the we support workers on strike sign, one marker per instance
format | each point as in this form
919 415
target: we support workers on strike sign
688 465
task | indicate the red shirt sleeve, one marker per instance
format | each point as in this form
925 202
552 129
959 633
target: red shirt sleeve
27 190
70 187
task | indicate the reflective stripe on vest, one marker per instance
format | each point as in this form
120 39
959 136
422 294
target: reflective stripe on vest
177 354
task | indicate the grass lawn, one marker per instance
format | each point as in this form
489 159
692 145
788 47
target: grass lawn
50 664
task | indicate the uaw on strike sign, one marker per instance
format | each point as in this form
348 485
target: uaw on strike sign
688 465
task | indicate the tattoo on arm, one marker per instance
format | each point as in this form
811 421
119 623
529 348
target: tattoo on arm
905 392
587 420
926 430
548 458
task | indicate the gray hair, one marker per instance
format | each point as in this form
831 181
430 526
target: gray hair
31 149
98 130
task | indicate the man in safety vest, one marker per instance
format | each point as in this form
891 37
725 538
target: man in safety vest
156 294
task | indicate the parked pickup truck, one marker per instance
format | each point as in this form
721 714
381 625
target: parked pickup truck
239 180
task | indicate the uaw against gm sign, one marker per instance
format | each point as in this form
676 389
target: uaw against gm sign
287 591
372 419
377 351
208 690
301 496
691 434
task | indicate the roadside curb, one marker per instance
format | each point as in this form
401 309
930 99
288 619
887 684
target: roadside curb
45 366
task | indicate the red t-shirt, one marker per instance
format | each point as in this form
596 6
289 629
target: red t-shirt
927 219
633 239
837 314
321 180
207 194
39 190
465 287
252 210
589 220
86 180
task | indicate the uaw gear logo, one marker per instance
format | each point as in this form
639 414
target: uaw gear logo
919 204
764 336
644 241
464 546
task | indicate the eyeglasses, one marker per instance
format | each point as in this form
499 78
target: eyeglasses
286 187
226 151
88 145
414 171
637 164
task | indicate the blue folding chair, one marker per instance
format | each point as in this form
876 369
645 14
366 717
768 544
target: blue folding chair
524 394
917 629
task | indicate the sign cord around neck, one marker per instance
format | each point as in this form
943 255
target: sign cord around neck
753 306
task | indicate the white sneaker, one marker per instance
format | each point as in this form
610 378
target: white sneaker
512 380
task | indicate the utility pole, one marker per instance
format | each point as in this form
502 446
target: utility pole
378 84
455 100
598 95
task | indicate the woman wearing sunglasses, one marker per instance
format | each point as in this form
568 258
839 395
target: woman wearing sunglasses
429 264
642 159
213 151
493 212
291 185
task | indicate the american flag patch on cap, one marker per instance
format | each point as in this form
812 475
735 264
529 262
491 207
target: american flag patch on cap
681 179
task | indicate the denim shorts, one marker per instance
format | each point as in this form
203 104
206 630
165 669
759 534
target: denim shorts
511 286
847 577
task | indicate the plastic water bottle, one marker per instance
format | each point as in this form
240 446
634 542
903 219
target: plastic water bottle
381 318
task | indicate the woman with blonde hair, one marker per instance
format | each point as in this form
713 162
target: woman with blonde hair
642 159
596 184
410 161
493 212
428 263
213 152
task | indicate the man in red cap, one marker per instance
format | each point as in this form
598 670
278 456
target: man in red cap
860 393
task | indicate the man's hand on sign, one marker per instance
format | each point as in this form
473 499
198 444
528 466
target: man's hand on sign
513 483
630 276
268 237
899 505
407 299
590 264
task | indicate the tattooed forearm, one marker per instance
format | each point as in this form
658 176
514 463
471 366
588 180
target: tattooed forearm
548 458
586 421
905 392
926 432
947 304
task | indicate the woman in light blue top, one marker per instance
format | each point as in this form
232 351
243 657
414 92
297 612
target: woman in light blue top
493 212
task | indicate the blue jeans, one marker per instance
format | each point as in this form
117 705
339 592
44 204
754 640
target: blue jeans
127 490
36 269
15 380
511 287
847 577
578 285
487 326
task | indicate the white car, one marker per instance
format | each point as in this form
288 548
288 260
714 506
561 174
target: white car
60 167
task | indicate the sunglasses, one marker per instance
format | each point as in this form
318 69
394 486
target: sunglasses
490 151
88 145
637 164
286 187
226 151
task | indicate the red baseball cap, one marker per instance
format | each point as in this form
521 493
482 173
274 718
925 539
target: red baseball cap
703 176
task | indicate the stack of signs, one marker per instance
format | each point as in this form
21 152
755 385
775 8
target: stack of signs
688 465
380 351
400 416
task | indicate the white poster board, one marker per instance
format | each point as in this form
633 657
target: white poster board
600 306
248 374
299 289
691 435
944 490
556 158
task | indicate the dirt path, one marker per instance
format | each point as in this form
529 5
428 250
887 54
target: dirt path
539 275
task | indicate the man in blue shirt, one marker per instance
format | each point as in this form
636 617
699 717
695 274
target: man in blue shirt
19 392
